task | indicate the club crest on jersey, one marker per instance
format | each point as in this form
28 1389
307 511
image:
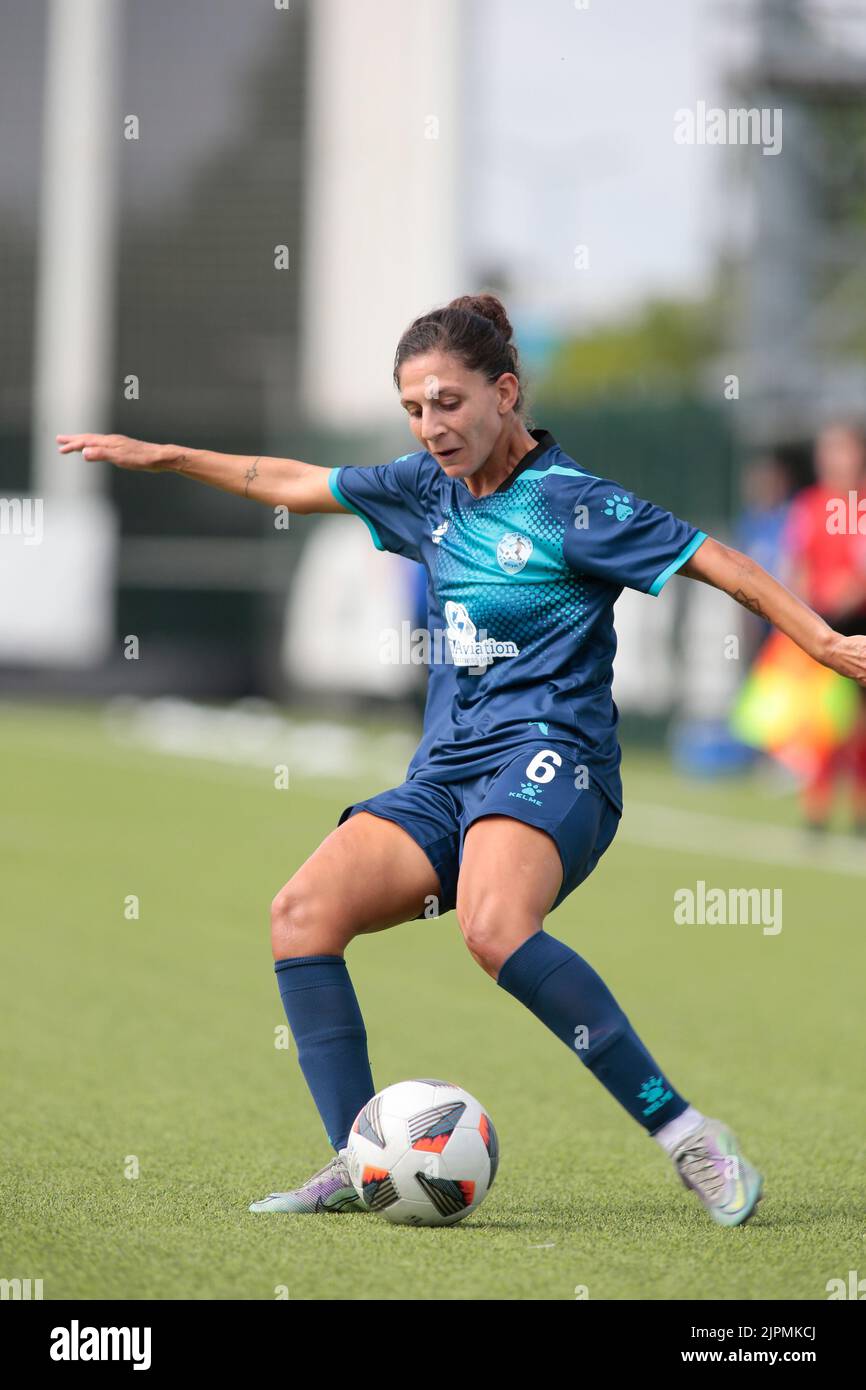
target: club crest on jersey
467 648
513 551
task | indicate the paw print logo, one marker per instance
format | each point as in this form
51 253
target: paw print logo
528 788
655 1092
617 506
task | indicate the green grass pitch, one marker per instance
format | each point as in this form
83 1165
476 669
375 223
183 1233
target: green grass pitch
152 1041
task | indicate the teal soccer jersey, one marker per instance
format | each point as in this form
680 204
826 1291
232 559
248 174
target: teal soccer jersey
521 588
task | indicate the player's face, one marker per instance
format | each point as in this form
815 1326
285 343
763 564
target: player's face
454 413
839 460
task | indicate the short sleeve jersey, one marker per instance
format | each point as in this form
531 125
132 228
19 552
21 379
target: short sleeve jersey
521 585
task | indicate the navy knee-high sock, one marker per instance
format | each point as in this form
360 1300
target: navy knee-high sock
561 989
325 1019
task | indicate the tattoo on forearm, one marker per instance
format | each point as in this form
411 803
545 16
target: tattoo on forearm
748 602
251 473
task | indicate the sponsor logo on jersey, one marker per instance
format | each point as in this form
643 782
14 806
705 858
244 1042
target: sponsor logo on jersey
438 532
467 648
513 551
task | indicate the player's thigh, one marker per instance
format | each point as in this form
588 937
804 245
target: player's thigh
510 875
366 875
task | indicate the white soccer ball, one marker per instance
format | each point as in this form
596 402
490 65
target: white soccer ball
423 1153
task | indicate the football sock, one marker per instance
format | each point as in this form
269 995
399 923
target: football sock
676 1130
563 990
326 1022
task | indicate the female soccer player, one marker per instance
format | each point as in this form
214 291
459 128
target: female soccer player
514 792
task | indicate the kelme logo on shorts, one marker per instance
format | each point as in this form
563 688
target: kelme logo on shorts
529 791
513 551
467 648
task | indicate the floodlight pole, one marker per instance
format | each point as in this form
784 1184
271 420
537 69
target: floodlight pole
75 272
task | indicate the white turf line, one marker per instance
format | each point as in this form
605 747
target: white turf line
666 828
647 823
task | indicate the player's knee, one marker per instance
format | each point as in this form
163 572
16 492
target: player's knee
286 917
301 924
491 930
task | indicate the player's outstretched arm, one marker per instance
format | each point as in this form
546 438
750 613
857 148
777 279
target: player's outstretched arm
747 582
301 487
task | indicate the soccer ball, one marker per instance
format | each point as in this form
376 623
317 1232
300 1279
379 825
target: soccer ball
423 1153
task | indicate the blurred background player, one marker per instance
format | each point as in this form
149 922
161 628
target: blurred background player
825 562
759 531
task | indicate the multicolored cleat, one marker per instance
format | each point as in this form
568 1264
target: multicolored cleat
710 1163
330 1189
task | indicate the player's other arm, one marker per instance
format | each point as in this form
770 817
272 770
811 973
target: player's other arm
301 487
750 584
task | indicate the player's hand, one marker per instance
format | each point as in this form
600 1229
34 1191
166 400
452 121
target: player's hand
117 449
848 656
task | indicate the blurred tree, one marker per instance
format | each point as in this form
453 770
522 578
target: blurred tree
666 344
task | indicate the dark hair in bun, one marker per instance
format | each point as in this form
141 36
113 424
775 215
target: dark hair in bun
475 329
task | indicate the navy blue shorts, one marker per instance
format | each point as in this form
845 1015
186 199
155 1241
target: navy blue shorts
532 788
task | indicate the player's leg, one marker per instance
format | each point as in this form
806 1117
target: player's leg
511 874
509 879
857 757
818 791
368 874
